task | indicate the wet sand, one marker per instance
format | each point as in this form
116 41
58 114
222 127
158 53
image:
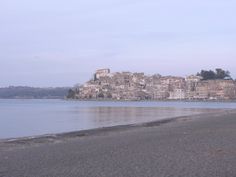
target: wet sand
201 145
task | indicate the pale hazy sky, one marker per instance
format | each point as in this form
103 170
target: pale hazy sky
62 42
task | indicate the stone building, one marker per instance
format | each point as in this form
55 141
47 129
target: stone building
138 86
215 90
191 84
101 73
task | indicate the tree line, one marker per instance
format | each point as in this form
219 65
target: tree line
33 93
217 74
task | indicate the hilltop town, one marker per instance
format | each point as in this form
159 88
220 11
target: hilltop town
138 86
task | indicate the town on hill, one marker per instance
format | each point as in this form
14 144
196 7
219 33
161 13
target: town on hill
206 85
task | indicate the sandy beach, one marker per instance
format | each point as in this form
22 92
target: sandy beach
201 145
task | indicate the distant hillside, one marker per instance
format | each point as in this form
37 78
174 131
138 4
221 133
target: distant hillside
33 93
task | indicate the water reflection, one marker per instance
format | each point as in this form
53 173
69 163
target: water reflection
110 116
19 118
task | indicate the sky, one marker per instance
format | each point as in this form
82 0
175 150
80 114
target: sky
46 43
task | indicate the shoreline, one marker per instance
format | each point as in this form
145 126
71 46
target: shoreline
46 138
109 100
188 146
163 100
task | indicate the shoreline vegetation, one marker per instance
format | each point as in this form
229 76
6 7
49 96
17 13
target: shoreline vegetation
24 92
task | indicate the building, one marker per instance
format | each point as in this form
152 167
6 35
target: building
138 86
101 73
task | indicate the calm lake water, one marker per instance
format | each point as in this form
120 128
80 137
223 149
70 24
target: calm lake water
20 118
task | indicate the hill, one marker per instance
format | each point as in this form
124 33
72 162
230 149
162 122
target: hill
22 92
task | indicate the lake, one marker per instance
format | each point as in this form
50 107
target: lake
20 118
